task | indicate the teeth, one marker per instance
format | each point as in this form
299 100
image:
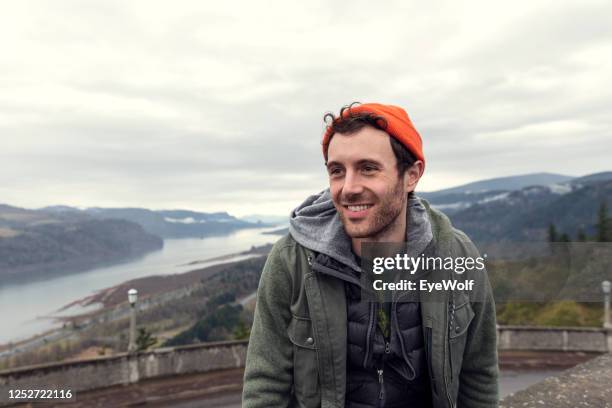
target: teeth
358 207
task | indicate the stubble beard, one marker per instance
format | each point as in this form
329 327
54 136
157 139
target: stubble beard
387 212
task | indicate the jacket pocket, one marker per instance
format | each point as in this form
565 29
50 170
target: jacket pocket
305 362
459 322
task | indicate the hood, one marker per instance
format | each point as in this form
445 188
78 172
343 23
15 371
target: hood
316 225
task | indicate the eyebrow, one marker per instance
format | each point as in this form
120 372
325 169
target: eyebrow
369 161
359 163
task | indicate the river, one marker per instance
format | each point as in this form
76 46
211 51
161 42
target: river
23 306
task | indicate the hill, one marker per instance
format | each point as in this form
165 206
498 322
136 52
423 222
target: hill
458 198
168 223
525 214
39 244
504 183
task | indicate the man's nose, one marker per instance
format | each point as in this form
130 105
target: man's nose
352 183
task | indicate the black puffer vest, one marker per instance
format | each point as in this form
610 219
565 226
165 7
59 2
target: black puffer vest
381 372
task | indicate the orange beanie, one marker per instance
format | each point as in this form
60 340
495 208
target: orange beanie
399 126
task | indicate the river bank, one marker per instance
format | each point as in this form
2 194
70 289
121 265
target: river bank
29 309
110 304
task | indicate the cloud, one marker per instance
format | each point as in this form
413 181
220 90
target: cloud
217 106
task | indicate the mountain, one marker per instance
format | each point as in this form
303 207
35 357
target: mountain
525 214
504 183
268 219
58 209
452 200
592 178
177 223
40 243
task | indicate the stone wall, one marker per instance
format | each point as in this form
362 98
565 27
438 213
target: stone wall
554 338
124 368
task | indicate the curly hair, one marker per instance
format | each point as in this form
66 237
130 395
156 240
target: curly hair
348 122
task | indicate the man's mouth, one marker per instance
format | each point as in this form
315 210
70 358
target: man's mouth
357 210
360 207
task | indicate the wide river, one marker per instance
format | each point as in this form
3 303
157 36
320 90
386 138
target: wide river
23 306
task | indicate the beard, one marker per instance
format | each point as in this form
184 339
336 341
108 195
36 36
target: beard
383 216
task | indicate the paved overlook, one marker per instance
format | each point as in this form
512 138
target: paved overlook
586 385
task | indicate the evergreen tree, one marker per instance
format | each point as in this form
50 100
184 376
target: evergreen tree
552 233
144 340
241 331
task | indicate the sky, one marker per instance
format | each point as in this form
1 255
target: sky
216 106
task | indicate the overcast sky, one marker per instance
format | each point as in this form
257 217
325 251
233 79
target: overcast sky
218 106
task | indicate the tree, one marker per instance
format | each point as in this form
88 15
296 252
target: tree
241 331
144 340
552 233
603 223
553 237
581 236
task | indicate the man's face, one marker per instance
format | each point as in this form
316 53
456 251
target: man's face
364 182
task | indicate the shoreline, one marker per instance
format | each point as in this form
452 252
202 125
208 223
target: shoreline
37 273
113 297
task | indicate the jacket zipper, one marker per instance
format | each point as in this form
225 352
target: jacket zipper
395 323
451 324
381 382
428 340
444 357
380 371
369 333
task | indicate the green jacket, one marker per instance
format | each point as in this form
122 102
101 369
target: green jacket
297 350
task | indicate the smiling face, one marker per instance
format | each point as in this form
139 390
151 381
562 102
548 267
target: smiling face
366 189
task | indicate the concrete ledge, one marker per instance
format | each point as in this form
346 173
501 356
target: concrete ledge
588 339
586 385
123 368
549 328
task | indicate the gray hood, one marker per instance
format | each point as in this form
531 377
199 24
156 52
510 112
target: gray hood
316 225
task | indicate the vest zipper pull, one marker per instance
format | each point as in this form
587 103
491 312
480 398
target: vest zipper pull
381 381
387 348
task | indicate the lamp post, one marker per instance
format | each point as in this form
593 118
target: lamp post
606 286
132 297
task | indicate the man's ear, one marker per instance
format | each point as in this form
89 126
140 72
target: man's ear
412 175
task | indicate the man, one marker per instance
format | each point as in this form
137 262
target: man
315 342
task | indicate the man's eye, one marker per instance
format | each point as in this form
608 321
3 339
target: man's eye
335 171
368 169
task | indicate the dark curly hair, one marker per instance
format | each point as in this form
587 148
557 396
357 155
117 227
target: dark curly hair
353 122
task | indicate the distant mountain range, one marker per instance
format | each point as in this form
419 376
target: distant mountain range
35 243
502 183
66 239
168 223
268 219
62 239
521 208
454 199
